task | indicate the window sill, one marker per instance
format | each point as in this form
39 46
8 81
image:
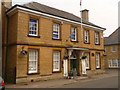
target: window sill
97 44
57 39
88 69
32 73
98 68
74 41
86 43
113 51
33 36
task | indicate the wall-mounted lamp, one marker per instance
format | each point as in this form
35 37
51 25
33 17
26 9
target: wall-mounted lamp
93 54
84 57
65 57
104 54
23 52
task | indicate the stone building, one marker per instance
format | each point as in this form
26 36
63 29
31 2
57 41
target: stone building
112 49
41 42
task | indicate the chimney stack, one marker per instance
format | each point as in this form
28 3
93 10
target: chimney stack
7 3
85 15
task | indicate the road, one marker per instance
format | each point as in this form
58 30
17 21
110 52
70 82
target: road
110 82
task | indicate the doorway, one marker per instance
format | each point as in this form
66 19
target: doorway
74 66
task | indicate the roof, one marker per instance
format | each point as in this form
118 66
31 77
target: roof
55 12
114 38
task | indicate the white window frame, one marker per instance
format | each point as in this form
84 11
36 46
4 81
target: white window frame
113 48
56 60
97 38
113 63
74 29
97 60
87 60
56 28
86 36
32 28
33 57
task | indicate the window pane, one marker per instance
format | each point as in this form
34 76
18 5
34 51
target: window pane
74 34
86 36
33 27
56 30
96 37
33 61
56 60
97 60
55 36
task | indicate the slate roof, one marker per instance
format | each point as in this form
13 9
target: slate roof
56 12
114 38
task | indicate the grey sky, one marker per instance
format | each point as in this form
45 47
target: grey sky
101 12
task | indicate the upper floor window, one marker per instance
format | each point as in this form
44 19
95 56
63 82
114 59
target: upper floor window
74 34
56 31
113 49
33 27
86 36
97 38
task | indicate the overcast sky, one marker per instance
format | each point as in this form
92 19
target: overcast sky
103 13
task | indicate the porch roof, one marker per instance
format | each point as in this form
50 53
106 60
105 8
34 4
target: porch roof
78 48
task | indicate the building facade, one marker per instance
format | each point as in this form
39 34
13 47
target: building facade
112 50
44 43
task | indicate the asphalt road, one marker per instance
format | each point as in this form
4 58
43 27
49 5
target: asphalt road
110 82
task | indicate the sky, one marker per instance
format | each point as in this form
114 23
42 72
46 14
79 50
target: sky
103 13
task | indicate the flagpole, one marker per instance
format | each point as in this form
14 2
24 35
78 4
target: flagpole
81 12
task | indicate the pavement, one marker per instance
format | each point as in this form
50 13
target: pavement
60 82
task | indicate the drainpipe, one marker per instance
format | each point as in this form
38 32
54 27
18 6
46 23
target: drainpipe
6 61
0 39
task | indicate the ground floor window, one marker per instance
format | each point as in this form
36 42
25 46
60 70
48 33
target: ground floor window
113 63
97 60
56 61
33 61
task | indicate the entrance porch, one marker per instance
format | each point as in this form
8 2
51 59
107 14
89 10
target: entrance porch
74 62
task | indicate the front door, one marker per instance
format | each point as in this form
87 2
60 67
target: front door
74 66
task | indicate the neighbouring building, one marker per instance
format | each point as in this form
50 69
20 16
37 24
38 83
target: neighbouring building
112 50
41 42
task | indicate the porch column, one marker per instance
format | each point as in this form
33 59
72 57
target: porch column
65 64
83 63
